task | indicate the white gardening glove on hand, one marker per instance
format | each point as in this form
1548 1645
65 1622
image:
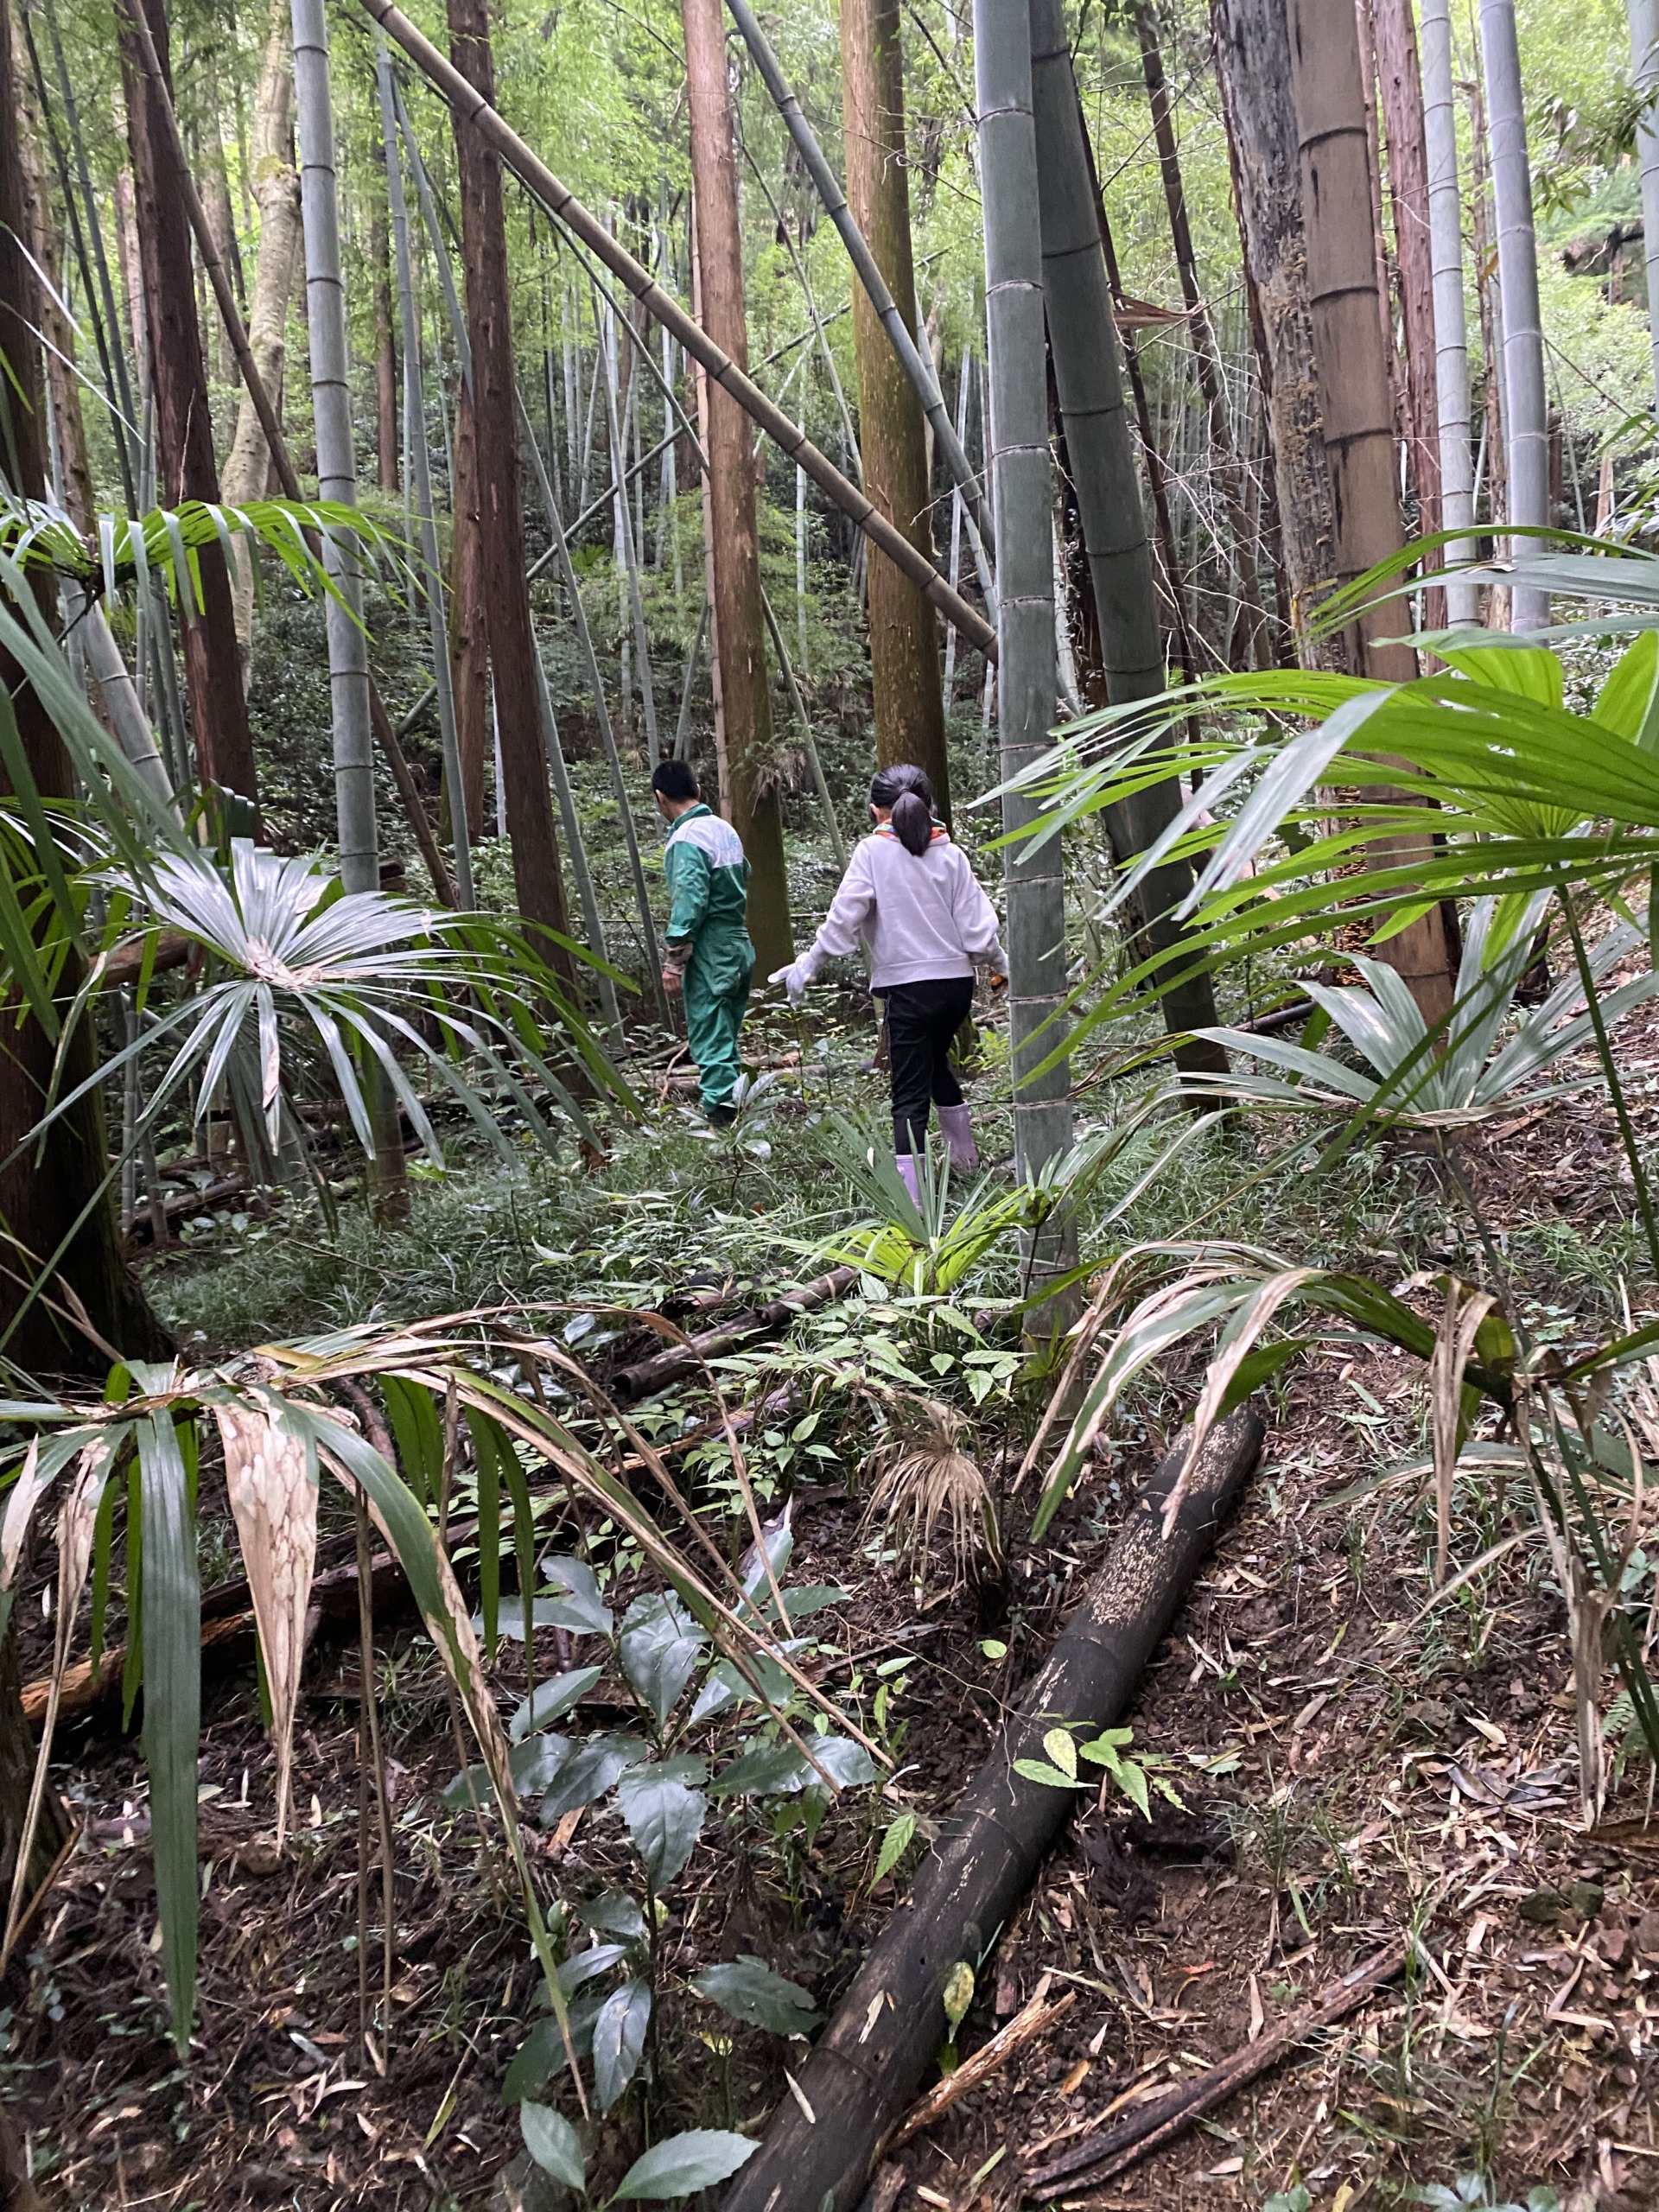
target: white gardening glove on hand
995 961
794 980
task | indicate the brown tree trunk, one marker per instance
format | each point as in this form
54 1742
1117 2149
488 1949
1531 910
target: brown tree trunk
386 353
470 654
41 1193
276 192
1327 89
1402 84
1223 446
184 436
538 882
746 700
892 430
1253 70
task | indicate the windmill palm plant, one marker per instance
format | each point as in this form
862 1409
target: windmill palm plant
927 1244
1457 1075
277 952
1300 783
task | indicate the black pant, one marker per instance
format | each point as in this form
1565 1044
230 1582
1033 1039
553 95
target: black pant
922 1019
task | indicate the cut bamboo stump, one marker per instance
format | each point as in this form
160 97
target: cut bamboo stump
869 2062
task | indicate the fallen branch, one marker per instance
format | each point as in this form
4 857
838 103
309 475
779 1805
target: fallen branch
673 1364
1035 2019
1148 2129
870 2060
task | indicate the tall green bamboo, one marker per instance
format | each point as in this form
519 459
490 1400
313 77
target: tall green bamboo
1083 336
1528 422
1020 493
331 402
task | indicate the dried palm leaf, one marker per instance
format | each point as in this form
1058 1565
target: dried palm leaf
922 1474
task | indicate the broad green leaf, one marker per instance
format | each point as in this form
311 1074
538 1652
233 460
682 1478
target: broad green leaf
172 1642
418 1434
589 1772
778 1770
619 2040
1051 1777
614 1913
550 1701
554 2143
1062 1750
658 1650
664 1814
576 1603
699 2158
538 2059
749 1990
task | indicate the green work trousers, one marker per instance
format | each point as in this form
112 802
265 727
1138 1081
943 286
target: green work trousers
716 999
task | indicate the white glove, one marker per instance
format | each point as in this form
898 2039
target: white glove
996 960
794 980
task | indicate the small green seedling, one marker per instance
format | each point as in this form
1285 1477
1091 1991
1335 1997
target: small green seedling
1136 1777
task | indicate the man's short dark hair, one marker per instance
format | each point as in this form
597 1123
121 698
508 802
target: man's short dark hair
675 780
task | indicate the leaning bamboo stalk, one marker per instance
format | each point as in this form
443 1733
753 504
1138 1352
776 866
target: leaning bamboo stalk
585 226
918 369
867 2065
693 655
1083 345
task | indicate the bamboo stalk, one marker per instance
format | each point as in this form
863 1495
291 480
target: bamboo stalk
911 357
630 551
583 226
837 840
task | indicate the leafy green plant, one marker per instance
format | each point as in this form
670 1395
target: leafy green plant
676 2167
665 1794
1137 1777
929 1244
1474 2193
1456 1076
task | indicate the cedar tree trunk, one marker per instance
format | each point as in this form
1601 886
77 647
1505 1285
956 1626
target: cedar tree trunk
184 436
469 655
739 626
276 194
1401 83
892 431
537 879
1327 89
1253 70
385 354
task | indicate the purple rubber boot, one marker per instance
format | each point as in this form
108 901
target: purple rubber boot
958 1124
905 1163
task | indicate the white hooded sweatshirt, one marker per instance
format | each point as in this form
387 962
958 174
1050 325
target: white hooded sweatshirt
921 917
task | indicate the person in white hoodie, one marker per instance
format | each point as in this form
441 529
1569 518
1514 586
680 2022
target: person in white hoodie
910 899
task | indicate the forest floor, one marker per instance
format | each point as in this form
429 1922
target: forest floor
1356 1768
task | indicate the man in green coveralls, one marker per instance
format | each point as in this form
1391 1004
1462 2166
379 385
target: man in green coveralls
709 956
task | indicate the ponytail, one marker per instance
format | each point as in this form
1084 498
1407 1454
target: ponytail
913 822
906 790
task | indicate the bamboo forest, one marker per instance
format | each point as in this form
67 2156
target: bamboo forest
829 1094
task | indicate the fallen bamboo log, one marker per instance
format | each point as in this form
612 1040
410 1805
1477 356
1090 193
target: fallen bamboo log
1086 2165
888 2028
676 1361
